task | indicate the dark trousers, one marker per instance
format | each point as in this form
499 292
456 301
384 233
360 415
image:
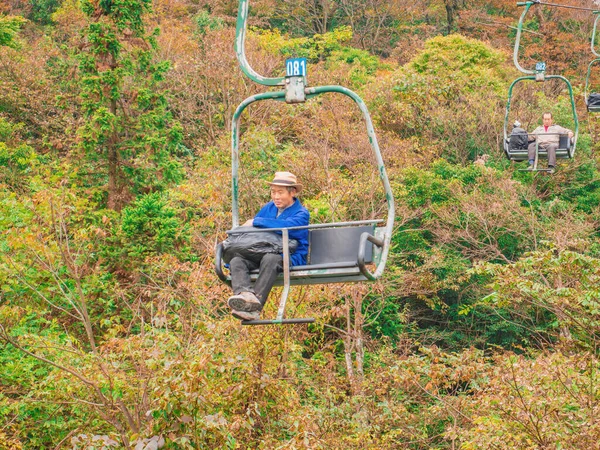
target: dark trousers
268 268
550 148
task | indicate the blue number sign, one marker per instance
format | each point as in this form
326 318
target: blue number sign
540 66
295 67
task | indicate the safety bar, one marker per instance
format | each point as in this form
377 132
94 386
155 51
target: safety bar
548 134
307 227
364 237
286 274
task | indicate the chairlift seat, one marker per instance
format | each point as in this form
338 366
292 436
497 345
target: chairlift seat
332 257
563 152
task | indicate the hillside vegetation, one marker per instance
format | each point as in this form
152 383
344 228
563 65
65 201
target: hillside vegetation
115 186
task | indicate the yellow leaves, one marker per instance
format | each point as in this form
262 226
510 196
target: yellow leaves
7 443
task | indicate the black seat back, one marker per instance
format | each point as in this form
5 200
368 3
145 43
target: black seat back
564 141
336 245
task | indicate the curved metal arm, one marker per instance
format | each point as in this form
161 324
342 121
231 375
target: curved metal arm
597 13
587 79
313 92
518 38
573 110
219 263
362 248
240 39
235 154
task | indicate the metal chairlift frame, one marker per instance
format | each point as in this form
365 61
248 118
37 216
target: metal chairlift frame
297 91
564 151
586 90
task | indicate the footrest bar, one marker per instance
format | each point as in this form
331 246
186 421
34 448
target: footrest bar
277 322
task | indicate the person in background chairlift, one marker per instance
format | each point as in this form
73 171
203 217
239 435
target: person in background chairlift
548 142
284 210
518 137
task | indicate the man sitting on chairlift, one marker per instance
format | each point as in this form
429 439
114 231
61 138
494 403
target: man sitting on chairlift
548 138
285 210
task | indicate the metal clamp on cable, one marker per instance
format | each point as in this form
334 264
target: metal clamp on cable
295 80
540 71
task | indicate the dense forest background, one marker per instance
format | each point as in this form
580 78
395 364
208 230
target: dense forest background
115 187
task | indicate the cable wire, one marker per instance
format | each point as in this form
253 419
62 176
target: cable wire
558 5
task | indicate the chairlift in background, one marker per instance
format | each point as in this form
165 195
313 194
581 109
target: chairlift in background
592 99
566 148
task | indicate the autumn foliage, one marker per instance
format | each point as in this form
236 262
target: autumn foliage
115 186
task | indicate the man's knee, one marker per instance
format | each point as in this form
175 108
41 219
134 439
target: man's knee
237 261
271 259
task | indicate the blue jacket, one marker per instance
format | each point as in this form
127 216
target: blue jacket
294 216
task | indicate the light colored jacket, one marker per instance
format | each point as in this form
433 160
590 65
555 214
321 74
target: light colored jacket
550 139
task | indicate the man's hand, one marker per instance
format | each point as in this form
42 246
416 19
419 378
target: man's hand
248 223
571 134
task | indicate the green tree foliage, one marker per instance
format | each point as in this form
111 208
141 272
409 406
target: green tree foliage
150 226
9 27
438 96
42 10
563 285
18 161
547 400
129 129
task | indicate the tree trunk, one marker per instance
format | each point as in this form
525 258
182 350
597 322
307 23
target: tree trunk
450 11
113 166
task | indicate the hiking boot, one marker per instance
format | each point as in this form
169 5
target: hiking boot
529 167
244 301
244 315
550 169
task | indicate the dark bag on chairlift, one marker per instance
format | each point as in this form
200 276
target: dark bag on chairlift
254 245
593 99
518 139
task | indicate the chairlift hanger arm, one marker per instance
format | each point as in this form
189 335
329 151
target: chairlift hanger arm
240 40
592 45
528 5
518 38
586 90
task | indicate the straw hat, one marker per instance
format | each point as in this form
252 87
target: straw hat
287 179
